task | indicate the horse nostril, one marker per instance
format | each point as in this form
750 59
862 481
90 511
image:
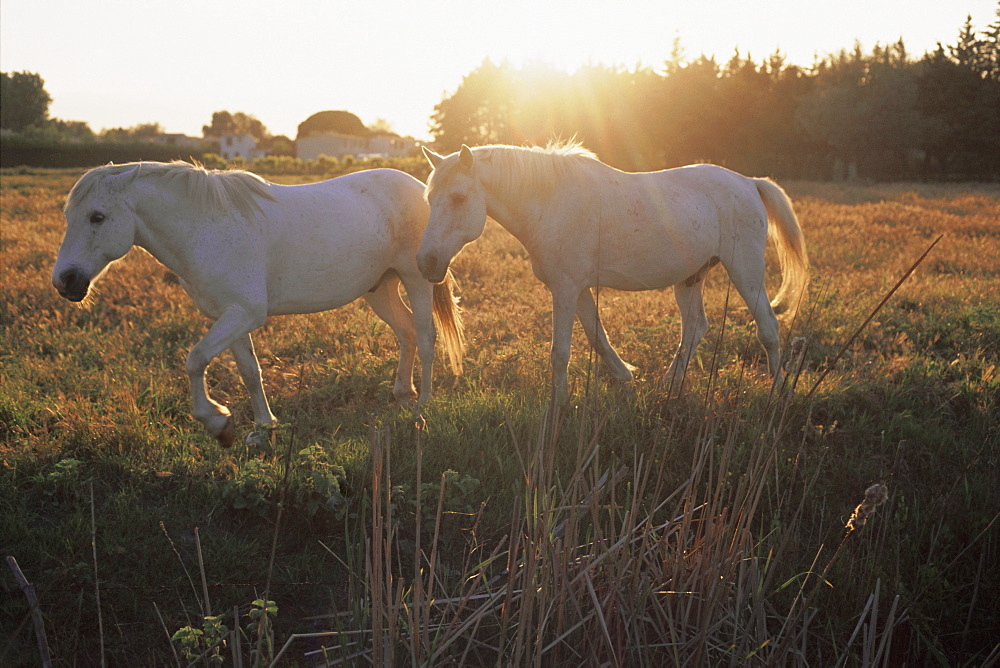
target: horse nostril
69 277
72 284
67 280
428 266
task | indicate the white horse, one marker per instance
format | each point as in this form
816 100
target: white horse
585 224
245 249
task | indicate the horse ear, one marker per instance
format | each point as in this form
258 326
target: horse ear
465 157
118 181
432 157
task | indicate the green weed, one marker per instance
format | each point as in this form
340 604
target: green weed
632 528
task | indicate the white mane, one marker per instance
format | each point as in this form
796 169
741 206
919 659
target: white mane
215 191
510 169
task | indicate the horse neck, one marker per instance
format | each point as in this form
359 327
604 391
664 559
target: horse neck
513 200
167 225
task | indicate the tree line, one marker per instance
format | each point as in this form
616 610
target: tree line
30 138
881 115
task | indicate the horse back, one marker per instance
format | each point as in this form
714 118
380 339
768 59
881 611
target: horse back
654 229
328 243
360 206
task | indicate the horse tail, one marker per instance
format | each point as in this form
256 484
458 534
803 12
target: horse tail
448 317
786 233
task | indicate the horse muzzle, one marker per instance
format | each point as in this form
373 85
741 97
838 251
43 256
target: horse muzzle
72 284
431 267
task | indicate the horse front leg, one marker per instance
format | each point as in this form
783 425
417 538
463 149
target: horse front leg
249 367
390 307
234 324
586 312
563 310
422 301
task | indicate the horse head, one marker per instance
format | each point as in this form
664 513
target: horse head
100 228
458 211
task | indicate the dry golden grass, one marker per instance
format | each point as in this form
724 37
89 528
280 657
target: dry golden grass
726 491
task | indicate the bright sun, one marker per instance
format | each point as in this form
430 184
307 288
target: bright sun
397 59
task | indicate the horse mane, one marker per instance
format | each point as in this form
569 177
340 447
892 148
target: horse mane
513 168
212 190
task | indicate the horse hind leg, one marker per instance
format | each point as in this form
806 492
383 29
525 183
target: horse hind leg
748 278
586 312
694 324
389 306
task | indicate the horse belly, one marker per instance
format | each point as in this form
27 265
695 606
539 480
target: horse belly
319 273
331 242
652 256
633 278
664 228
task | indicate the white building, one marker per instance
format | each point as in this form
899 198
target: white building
390 146
179 140
238 146
338 145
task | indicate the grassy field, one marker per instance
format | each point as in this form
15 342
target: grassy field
631 528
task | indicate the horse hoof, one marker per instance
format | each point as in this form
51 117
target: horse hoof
628 390
406 399
228 434
262 434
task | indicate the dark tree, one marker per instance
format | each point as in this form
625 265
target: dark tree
991 49
23 101
144 132
877 115
958 99
279 145
479 112
343 122
970 51
225 123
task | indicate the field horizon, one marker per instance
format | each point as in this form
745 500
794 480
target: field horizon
631 528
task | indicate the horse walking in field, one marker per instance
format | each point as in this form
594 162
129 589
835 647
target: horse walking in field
245 249
585 225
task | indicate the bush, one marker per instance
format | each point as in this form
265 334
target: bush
16 152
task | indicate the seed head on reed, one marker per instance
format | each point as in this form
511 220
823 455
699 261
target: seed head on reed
875 496
796 354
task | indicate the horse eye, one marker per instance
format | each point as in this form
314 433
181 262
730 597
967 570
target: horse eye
458 198
96 218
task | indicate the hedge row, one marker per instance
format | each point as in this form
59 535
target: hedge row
15 153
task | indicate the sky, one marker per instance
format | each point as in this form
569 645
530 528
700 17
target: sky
120 63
